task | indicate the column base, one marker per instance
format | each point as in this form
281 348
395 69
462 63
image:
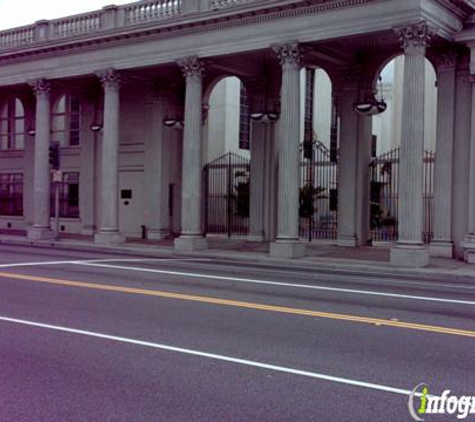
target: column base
40 233
441 249
190 244
88 230
346 241
468 245
255 238
404 255
109 238
288 250
157 234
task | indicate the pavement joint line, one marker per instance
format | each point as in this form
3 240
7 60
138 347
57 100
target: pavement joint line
212 356
280 284
379 322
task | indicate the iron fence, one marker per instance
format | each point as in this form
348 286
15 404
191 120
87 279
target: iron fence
318 192
384 196
227 195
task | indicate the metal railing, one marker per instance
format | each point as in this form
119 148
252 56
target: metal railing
384 199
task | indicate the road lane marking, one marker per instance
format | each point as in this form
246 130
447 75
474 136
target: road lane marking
278 283
93 261
379 322
98 261
212 356
35 264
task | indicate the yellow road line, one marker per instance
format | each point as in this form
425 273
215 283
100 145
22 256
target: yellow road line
247 305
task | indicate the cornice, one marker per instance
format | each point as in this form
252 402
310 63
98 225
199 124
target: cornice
233 17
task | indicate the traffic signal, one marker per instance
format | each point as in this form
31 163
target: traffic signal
54 156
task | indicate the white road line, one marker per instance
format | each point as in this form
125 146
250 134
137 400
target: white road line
35 264
143 260
281 284
213 356
40 263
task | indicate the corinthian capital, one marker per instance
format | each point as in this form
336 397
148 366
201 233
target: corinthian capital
191 66
41 87
110 78
415 37
289 55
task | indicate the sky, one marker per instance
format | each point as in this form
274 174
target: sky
14 13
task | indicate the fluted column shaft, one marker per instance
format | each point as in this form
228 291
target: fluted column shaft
287 243
410 250
446 74
256 209
109 221
411 171
289 156
191 237
192 179
471 182
41 218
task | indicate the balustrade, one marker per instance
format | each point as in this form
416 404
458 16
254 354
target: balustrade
149 11
75 25
17 37
109 18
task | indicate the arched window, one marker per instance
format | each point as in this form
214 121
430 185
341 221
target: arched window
12 125
66 120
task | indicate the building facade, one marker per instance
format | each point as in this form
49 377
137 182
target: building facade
126 92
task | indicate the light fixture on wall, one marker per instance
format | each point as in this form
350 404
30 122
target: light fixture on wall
96 127
371 106
264 102
265 117
32 131
173 123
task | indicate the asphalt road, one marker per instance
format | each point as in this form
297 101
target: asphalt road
91 337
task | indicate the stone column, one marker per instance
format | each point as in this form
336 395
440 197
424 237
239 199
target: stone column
410 250
257 187
191 238
41 202
270 181
28 164
87 174
287 244
348 160
469 240
109 219
442 244
363 180
157 165
461 154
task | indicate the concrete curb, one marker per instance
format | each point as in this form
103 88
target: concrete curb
341 266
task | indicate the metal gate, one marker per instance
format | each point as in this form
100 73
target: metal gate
318 192
384 196
227 195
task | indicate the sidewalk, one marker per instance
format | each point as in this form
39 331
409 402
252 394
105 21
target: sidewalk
323 256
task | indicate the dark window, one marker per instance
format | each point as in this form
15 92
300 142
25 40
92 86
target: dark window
334 133
66 120
309 94
244 120
12 125
374 145
11 194
68 196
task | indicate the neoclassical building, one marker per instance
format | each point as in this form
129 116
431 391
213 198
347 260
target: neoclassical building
126 90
